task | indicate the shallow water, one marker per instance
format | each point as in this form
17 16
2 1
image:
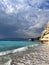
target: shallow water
10 45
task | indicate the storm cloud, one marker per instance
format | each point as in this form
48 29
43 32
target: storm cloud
23 18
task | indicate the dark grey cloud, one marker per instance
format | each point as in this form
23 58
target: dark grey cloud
23 18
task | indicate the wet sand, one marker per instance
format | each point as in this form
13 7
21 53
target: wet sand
37 55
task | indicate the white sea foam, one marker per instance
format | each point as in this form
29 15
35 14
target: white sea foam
33 45
13 51
17 50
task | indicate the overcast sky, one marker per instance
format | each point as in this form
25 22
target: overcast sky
23 18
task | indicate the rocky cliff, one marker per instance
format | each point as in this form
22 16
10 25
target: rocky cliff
45 34
46 30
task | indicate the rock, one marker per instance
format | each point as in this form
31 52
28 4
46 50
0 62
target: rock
5 61
45 34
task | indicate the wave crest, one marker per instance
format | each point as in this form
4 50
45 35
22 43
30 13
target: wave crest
17 50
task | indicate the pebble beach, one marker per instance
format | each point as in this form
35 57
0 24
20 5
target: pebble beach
37 55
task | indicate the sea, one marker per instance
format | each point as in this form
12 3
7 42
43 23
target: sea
7 46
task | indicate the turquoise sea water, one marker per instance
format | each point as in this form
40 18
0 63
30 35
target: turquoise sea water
10 45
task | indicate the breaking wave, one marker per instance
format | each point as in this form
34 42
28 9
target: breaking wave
17 50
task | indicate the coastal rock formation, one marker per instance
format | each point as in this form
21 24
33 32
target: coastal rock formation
45 34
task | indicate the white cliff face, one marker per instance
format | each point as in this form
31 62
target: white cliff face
45 34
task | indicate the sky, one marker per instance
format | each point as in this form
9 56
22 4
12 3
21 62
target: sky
23 18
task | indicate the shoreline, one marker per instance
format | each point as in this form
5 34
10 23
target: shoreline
16 50
33 55
37 55
5 54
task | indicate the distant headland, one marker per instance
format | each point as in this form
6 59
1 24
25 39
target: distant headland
20 39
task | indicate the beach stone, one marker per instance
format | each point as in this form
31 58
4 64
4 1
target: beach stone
5 61
38 55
